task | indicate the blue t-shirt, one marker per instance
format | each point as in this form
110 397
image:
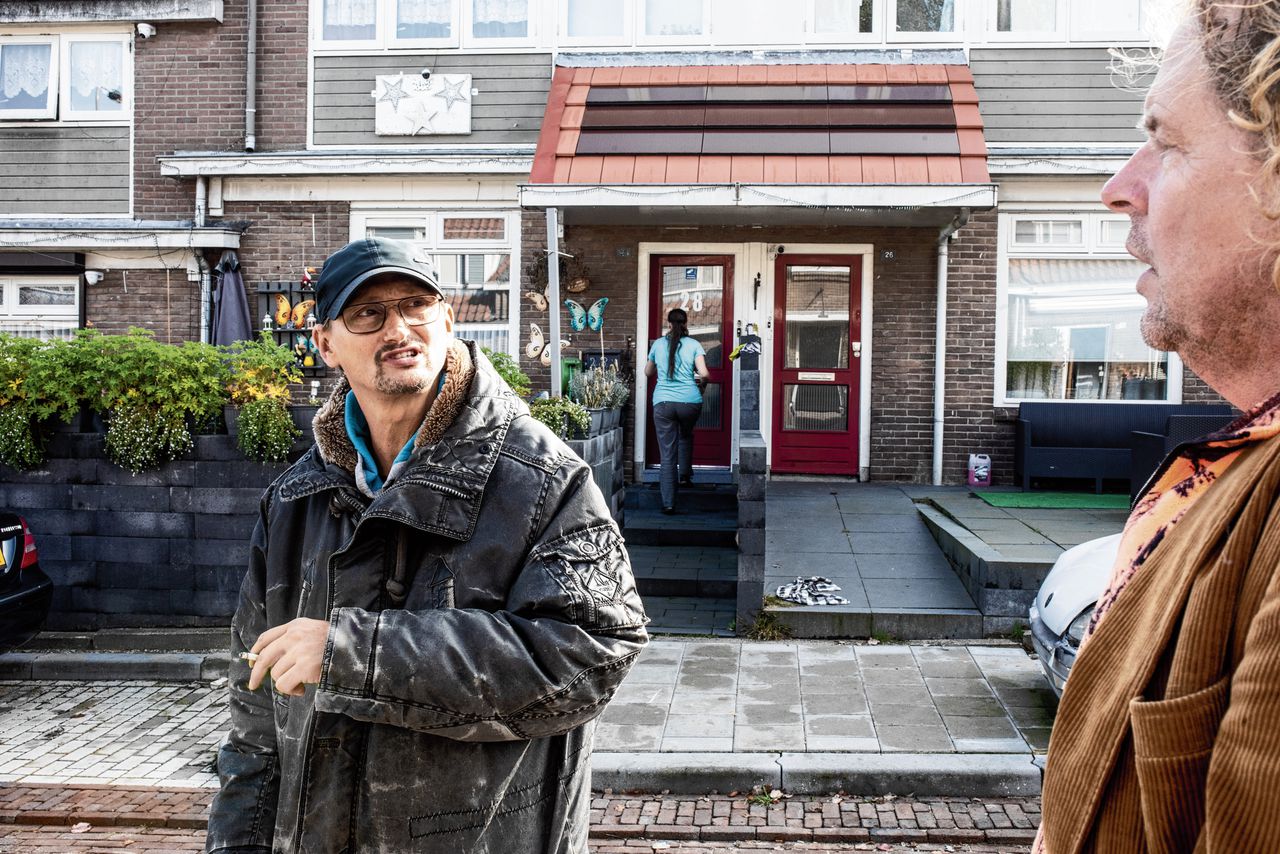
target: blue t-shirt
679 388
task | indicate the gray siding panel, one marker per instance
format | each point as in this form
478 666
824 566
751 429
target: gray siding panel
1071 96
507 109
79 171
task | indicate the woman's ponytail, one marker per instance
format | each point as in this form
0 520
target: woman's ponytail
679 321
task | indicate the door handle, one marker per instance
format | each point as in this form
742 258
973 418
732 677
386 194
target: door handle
856 347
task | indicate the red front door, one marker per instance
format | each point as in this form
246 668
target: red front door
817 323
703 286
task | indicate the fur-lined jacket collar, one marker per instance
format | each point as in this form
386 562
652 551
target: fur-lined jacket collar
453 456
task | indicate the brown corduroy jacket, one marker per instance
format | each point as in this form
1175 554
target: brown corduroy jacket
1168 736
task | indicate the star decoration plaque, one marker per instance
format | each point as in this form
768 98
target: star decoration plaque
407 105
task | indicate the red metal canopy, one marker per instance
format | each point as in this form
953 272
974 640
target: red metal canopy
776 124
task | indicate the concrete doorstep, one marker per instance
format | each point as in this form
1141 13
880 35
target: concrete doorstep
114 666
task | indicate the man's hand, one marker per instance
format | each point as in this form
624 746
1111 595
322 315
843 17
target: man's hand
293 653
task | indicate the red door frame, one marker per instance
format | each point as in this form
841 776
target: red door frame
816 452
710 447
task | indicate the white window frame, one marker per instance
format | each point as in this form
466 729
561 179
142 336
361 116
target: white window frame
126 74
643 38
1092 248
388 10
628 27
49 113
876 35
471 40
991 34
1024 249
12 312
959 34
432 220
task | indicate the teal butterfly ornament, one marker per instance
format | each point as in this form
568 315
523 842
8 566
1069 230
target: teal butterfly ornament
581 318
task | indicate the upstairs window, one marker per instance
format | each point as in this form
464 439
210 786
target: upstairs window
596 19
921 17
28 79
500 19
71 78
678 18
1027 16
427 20
349 20
843 17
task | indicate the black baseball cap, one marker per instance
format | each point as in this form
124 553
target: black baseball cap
359 261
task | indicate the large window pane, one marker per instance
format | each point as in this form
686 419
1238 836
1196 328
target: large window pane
500 19
700 292
1026 16
42 294
349 20
842 16
755 21
596 18
1105 16
97 76
24 77
1049 232
474 270
817 318
821 408
424 19
1074 333
673 17
926 16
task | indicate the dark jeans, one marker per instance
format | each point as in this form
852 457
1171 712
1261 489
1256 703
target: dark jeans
673 423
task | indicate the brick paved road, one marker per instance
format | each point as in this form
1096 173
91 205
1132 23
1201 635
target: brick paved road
57 817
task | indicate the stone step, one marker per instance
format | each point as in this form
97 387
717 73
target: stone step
887 624
652 527
688 572
698 497
683 615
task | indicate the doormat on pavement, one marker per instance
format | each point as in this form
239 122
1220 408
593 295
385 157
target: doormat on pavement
1070 500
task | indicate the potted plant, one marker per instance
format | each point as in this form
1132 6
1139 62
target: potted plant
603 392
259 374
565 417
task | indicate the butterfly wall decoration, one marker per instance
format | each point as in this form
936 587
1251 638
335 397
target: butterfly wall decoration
538 347
292 317
539 299
581 318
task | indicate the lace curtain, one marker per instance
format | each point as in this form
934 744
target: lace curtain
95 71
673 18
25 69
496 19
350 19
424 19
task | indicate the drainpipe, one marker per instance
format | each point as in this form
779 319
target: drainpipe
940 343
251 80
553 296
202 200
206 297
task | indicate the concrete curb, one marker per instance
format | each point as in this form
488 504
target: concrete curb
116 666
973 775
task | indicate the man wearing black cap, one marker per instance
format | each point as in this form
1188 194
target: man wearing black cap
438 594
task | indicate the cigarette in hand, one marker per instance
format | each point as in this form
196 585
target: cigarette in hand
250 657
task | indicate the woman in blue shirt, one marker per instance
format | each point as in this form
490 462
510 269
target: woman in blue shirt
677 401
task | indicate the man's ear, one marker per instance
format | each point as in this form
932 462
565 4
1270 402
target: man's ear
324 343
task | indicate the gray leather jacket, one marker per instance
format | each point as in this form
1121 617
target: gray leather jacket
482 612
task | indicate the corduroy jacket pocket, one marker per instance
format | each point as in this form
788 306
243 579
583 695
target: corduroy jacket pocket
1173 742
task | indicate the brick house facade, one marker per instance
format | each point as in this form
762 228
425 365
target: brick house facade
321 174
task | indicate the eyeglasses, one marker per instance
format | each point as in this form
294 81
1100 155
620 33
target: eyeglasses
367 317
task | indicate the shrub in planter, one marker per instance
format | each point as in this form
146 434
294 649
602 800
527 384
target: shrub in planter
266 431
140 437
562 415
509 369
599 388
20 445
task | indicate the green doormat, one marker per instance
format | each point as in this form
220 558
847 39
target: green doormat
1068 500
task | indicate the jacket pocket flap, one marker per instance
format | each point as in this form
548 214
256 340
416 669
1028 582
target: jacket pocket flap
1182 726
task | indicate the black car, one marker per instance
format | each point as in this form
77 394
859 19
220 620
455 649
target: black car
25 591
